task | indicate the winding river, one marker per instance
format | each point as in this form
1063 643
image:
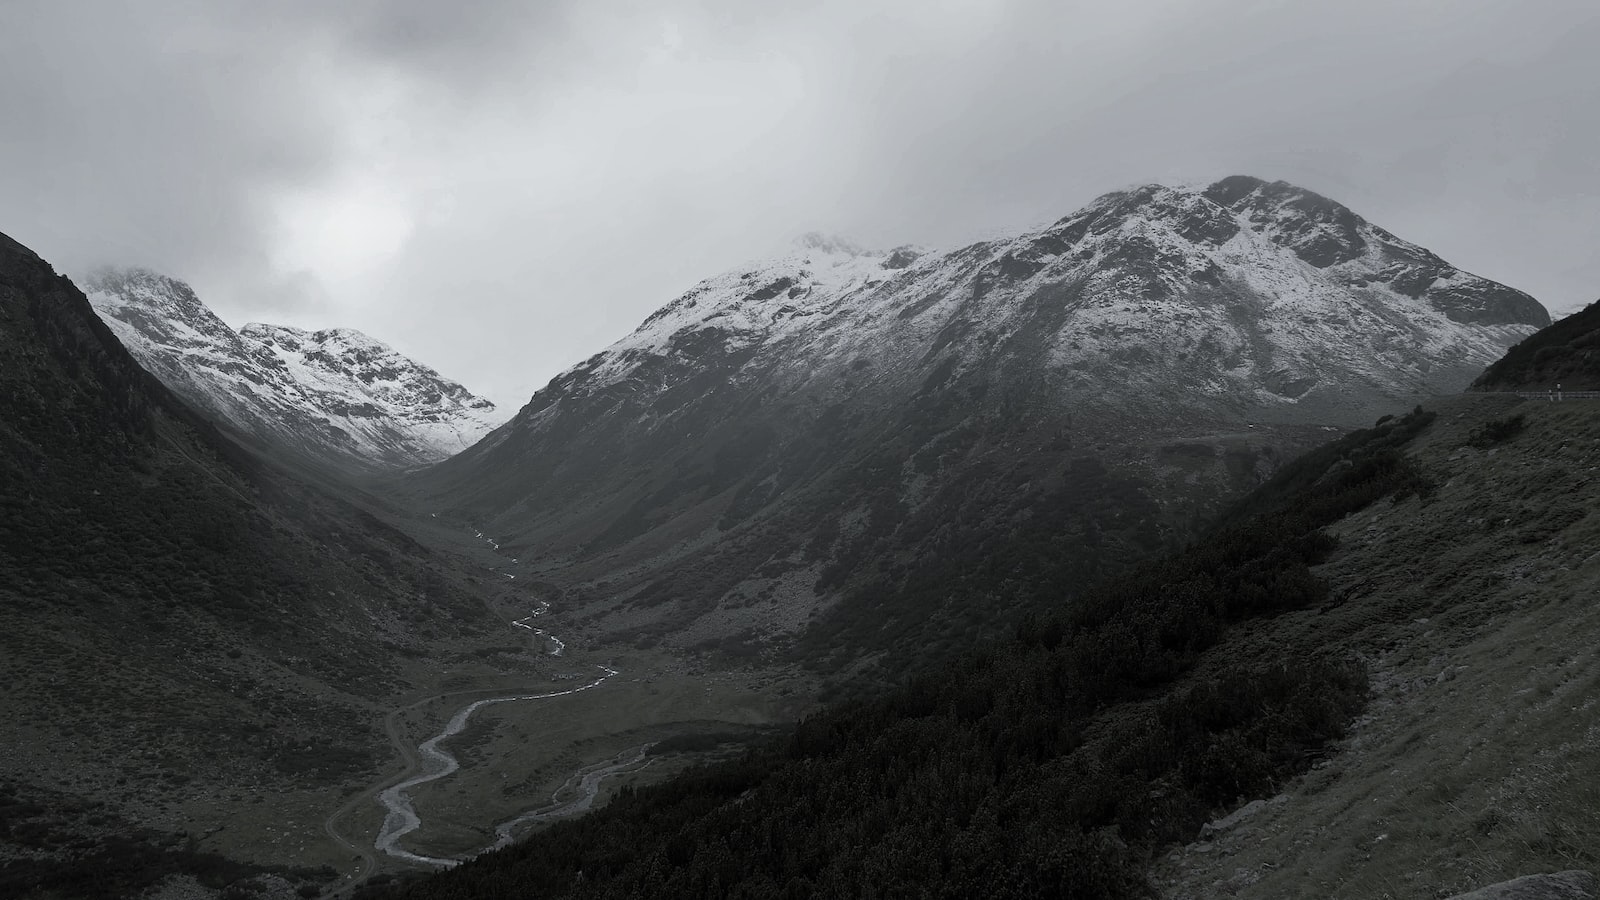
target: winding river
400 818
586 782
557 647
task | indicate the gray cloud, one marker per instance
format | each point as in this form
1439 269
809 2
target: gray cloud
502 188
133 139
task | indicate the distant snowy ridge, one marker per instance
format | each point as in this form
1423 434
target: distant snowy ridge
336 395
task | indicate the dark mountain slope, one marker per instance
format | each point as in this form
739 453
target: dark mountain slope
1567 354
1442 567
180 623
797 448
1051 764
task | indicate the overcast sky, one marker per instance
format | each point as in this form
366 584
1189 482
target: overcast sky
500 189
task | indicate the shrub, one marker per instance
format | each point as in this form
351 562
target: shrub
1496 432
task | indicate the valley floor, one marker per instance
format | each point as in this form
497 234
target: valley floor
514 756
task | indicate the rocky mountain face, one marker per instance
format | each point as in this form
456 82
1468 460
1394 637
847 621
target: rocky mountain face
184 628
335 397
848 424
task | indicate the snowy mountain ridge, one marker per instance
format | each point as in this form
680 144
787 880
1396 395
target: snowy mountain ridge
1290 294
335 395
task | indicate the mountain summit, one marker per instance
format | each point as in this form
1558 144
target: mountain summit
335 396
832 418
1249 296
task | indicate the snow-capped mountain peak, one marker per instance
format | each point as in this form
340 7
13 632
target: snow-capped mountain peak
334 396
1261 292
163 308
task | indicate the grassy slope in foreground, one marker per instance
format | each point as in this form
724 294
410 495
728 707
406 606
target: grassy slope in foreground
1479 757
1051 764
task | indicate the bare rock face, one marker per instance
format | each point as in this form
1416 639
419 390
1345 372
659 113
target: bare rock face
1571 885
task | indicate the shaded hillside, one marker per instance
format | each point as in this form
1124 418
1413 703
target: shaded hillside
1054 763
1478 760
1567 354
787 449
178 619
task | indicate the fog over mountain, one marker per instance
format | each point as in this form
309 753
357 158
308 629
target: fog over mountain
498 188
